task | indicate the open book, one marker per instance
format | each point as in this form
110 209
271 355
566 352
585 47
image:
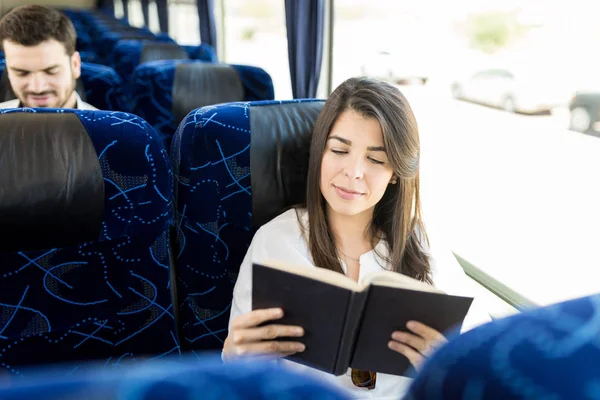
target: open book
349 324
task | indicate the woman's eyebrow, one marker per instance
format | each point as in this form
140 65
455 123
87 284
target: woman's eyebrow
349 143
376 148
341 139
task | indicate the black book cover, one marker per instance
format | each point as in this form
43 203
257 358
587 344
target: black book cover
350 328
388 309
319 307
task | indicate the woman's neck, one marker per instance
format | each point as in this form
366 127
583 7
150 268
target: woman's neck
352 234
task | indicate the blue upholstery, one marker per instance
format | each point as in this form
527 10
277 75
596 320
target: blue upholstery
89 57
152 92
203 52
109 299
84 40
125 57
207 379
547 353
211 159
164 37
103 88
109 39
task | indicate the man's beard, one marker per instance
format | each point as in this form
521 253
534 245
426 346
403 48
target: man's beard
51 93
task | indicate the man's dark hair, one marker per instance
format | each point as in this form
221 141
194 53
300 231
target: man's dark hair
32 25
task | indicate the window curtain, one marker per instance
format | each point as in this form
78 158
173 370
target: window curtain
206 18
305 21
162 7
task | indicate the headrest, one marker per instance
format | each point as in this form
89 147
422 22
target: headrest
6 92
51 183
280 137
153 51
201 84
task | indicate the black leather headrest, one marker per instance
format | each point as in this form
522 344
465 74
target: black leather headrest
152 51
6 92
204 84
51 184
279 150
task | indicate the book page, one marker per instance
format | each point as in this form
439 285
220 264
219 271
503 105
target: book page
320 274
394 279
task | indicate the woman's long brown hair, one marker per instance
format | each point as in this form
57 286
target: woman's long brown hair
397 216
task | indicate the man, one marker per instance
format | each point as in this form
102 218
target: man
41 61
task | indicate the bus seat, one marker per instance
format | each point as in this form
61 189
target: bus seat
164 92
552 352
103 87
110 36
216 152
85 207
89 57
164 37
207 379
203 52
128 54
98 85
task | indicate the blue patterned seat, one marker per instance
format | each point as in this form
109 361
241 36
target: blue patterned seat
218 203
154 89
128 54
101 87
106 295
89 57
111 33
203 52
546 353
207 379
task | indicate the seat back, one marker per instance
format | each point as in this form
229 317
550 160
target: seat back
166 91
551 352
98 85
111 36
237 166
128 54
85 202
203 52
167 379
103 87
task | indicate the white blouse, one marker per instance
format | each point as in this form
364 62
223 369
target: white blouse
282 239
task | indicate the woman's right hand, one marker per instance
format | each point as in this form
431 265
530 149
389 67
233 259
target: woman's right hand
246 338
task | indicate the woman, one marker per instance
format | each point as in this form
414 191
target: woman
362 215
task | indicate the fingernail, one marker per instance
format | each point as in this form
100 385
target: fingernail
299 331
300 347
278 312
391 344
411 324
397 335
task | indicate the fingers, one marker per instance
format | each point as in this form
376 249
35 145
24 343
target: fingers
422 341
280 348
426 332
256 317
416 342
246 337
415 358
241 336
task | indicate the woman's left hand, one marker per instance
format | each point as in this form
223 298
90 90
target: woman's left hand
419 344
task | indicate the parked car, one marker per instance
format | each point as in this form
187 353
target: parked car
399 68
585 111
512 91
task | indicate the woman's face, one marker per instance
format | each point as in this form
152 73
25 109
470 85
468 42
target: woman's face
355 170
